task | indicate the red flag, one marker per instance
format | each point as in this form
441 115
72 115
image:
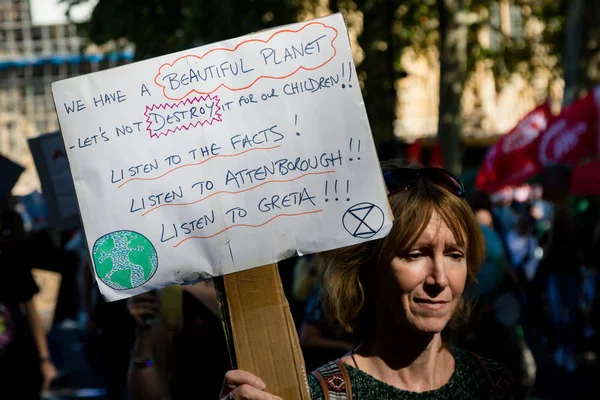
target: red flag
511 161
572 136
584 180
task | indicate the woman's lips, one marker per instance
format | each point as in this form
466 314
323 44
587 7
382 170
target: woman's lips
430 304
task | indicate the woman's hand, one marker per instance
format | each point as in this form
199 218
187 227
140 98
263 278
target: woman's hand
242 385
144 308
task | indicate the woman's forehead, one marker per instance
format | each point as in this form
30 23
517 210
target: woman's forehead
437 229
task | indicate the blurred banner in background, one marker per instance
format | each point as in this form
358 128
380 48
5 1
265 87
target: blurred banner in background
510 160
55 176
541 140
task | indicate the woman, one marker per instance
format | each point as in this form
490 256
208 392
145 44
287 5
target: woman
399 296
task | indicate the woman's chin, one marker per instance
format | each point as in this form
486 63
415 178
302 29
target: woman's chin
429 326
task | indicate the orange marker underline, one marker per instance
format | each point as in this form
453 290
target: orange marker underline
247 225
198 163
240 191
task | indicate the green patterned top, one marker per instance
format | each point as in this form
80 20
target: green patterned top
471 379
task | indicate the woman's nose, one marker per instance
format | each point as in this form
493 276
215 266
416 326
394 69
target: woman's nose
437 276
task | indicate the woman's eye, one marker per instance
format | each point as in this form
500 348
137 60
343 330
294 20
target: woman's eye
414 256
456 256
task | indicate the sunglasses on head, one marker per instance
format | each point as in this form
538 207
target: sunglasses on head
400 179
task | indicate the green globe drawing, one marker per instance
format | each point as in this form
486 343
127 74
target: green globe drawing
124 259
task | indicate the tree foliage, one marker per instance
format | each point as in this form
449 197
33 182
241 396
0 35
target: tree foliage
159 27
389 28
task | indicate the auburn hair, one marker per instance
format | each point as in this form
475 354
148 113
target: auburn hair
348 275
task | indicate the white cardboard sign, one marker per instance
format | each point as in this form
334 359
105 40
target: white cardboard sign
222 158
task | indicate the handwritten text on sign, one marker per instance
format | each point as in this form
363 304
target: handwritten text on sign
222 158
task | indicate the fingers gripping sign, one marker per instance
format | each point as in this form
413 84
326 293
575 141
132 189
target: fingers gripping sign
242 385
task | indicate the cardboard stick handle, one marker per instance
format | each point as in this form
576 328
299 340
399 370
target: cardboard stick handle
261 331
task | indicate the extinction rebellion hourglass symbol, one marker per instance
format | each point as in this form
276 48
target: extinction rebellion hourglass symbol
363 220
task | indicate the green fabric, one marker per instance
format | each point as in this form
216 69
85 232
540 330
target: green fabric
469 381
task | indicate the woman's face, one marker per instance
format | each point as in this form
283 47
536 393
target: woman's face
423 287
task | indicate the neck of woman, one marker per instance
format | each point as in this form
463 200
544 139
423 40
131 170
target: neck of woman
406 359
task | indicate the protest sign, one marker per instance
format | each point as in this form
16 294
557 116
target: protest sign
45 300
52 166
222 158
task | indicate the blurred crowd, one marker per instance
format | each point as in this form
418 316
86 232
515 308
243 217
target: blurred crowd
535 303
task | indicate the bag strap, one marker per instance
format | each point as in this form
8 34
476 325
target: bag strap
346 377
322 383
334 381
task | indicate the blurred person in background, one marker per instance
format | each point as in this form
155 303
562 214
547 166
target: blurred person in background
587 227
176 328
498 218
319 340
595 265
108 334
560 268
305 278
495 329
523 247
26 368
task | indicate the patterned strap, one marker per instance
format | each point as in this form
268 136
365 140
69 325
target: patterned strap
346 378
334 380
